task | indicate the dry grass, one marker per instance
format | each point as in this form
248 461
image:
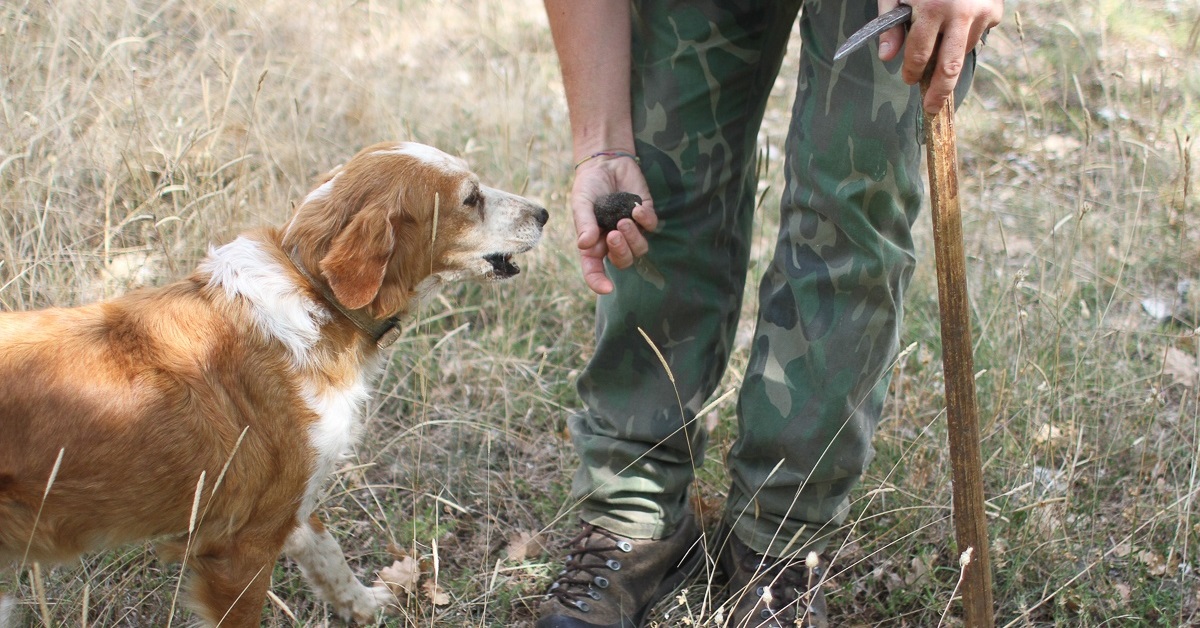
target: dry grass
135 134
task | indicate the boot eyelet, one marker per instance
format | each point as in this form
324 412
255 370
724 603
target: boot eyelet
625 546
583 606
766 613
614 565
594 594
760 591
601 582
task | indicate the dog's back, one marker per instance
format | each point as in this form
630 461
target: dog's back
139 396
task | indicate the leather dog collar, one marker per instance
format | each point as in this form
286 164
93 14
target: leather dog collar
383 332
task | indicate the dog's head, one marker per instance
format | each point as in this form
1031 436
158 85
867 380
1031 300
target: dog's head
401 218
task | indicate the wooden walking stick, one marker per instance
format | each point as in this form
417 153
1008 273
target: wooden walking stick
958 366
970 520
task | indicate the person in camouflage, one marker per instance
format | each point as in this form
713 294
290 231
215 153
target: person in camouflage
665 101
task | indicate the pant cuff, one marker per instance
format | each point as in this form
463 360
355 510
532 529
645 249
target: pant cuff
775 542
628 529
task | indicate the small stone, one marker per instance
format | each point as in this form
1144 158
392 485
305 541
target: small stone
611 208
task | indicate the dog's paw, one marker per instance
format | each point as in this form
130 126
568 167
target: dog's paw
372 600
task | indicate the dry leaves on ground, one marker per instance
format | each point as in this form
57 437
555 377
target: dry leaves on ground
402 576
1181 367
435 593
523 545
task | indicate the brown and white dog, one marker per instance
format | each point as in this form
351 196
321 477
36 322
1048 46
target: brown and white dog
207 414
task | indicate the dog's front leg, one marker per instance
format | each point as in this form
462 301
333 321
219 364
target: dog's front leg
324 567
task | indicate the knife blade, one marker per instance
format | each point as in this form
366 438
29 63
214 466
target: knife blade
899 15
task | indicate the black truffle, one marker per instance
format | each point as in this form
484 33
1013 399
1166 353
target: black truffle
613 207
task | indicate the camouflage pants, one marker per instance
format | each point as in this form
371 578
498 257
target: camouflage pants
830 301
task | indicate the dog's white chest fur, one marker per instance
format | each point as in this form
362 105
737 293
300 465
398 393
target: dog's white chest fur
335 432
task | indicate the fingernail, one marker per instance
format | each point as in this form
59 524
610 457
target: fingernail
885 47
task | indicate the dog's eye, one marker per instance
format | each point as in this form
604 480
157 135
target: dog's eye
475 200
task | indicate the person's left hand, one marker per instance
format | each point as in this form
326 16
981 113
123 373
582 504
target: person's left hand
948 29
622 246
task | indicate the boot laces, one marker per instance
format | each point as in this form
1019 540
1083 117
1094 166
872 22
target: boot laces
582 579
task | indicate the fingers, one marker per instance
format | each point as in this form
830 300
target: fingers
587 232
890 42
645 216
622 247
947 68
940 50
941 35
891 39
594 276
630 236
592 250
627 242
920 44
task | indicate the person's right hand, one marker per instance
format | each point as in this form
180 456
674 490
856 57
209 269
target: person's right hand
595 178
941 35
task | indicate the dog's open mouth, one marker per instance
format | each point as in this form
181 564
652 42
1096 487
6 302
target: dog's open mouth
502 265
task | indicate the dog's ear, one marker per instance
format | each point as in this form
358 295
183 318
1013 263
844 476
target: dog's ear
358 257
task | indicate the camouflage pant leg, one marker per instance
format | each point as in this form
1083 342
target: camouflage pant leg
702 73
831 301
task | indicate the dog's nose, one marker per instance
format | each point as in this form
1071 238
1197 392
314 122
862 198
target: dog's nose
541 215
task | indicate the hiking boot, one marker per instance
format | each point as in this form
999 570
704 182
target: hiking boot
613 582
768 592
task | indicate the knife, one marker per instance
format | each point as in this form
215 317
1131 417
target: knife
899 15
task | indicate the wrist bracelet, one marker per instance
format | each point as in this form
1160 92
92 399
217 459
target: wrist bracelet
608 153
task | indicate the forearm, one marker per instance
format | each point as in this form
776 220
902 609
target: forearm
592 38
